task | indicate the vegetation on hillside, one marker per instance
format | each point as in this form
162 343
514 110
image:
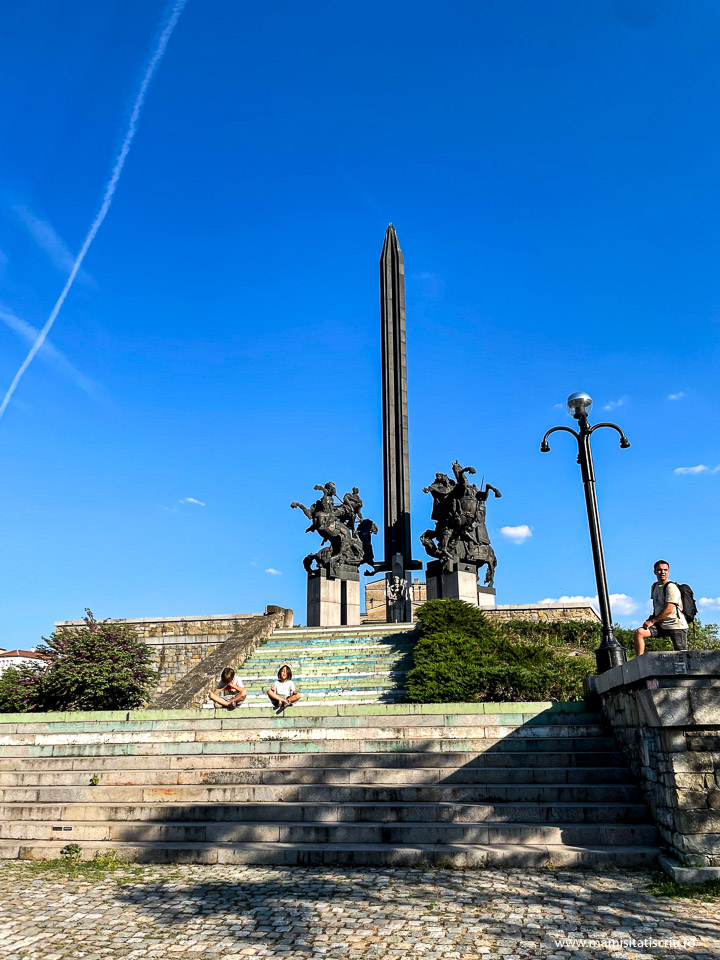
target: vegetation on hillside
462 656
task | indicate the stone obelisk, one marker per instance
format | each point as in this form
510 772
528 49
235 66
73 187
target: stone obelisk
398 560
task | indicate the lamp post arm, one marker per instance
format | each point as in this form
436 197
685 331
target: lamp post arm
624 442
545 446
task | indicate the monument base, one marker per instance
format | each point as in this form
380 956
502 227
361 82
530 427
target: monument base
333 601
461 584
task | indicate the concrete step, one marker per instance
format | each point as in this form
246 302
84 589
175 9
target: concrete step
286 744
311 677
358 632
293 727
446 760
317 775
297 718
457 855
575 834
292 719
543 711
326 793
559 812
334 654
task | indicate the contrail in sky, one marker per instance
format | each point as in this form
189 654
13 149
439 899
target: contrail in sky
172 19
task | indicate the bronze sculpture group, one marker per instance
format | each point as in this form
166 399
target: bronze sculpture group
342 526
460 535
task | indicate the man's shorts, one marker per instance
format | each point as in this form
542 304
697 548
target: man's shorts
678 637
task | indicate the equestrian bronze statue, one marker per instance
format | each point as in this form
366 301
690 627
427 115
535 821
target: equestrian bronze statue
460 534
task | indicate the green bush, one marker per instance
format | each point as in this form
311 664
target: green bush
19 689
461 656
576 634
101 666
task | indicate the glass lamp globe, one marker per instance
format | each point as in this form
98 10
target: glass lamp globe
579 404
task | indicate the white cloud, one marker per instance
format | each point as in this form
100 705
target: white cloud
193 500
700 468
273 572
620 603
614 404
253 563
675 396
48 352
558 406
517 534
711 602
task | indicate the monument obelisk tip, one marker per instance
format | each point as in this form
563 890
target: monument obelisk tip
396 471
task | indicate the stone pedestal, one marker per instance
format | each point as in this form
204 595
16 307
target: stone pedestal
333 601
461 584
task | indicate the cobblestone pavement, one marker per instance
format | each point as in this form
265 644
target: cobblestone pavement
232 913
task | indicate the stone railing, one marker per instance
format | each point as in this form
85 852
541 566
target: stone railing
665 712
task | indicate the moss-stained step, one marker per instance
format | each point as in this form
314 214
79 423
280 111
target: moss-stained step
358 855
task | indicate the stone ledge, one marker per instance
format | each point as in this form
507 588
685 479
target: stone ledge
214 616
690 664
682 874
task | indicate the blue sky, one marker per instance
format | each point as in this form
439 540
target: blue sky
551 170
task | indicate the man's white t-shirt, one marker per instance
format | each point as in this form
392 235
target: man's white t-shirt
284 688
662 594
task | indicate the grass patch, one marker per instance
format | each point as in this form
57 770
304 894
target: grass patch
663 886
70 866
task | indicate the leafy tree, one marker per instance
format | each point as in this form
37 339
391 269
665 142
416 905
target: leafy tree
101 666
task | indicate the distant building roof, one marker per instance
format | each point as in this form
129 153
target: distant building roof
24 653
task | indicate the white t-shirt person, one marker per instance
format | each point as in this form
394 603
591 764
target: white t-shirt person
285 688
662 594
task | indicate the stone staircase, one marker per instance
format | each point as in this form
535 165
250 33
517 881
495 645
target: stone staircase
339 783
365 664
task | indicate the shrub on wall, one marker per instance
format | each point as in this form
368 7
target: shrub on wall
461 656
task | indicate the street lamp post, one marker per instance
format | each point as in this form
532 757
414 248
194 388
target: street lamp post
610 653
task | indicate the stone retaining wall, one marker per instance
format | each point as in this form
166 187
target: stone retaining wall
179 644
539 613
665 712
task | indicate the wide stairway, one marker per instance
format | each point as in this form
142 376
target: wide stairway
510 785
342 665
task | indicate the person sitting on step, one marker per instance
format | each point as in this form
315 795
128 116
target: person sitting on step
231 691
283 693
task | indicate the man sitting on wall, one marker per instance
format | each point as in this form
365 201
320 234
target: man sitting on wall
667 618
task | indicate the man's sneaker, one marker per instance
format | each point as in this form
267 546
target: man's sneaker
231 706
279 708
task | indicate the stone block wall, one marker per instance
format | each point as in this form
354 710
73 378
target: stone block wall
375 606
179 644
665 712
539 613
